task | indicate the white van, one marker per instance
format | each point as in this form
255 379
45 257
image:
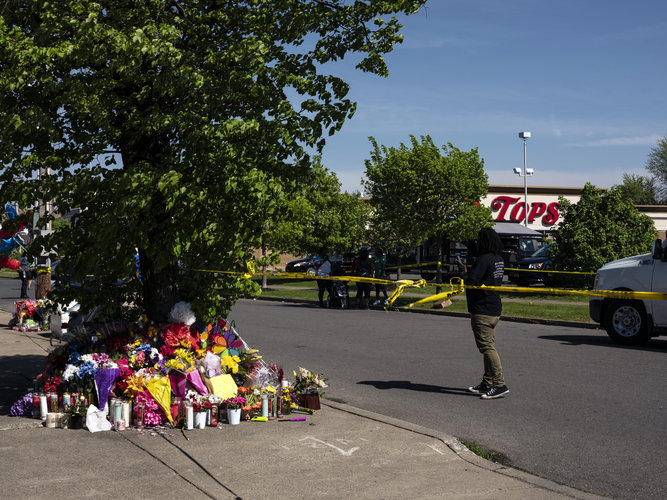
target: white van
627 321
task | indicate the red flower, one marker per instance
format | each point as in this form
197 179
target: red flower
171 340
166 351
207 405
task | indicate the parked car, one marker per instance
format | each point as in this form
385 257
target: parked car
305 264
310 263
538 261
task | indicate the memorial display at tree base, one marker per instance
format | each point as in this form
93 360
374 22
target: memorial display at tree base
184 374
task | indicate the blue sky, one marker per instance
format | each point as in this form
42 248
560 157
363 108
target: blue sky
588 79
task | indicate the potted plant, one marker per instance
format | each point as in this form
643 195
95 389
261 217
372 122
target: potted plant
308 386
234 409
199 415
77 413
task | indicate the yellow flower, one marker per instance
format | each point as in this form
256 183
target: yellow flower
230 363
134 386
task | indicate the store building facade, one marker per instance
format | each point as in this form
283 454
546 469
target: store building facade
507 205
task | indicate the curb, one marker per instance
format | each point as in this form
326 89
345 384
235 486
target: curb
514 319
463 452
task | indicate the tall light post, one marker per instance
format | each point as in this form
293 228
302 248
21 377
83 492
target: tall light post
526 172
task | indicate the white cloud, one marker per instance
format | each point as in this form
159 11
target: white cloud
649 140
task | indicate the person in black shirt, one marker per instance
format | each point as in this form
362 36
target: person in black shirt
485 307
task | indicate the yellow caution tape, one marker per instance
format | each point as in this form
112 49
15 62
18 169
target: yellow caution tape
456 285
402 285
613 294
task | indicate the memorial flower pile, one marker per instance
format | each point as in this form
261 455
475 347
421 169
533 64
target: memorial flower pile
166 371
153 365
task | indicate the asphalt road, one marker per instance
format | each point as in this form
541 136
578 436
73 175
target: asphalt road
581 411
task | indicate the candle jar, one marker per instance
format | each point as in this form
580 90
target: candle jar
43 406
139 412
52 399
127 410
214 416
36 412
64 420
265 405
175 408
67 401
117 419
51 422
189 416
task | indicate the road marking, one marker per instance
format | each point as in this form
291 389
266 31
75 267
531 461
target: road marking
318 443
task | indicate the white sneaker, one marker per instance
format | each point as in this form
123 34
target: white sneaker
376 303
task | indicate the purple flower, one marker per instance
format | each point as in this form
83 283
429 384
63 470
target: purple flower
23 407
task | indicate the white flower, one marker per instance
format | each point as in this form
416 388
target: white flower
181 313
70 371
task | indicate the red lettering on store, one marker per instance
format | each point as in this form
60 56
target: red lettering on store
552 214
518 213
536 210
502 204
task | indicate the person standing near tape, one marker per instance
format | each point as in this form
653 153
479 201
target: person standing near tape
485 308
25 273
365 268
324 269
380 264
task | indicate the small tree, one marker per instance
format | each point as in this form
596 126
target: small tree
639 189
417 192
599 228
657 164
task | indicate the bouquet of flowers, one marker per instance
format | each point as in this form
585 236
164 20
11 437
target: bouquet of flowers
235 403
307 382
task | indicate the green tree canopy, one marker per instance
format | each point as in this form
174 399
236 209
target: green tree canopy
323 219
639 189
178 127
419 191
599 228
657 165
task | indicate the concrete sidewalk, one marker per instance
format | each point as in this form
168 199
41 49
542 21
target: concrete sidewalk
339 452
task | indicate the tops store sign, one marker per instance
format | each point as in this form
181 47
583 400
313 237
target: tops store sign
512 208
507 204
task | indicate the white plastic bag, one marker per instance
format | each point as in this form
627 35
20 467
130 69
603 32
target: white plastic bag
96 420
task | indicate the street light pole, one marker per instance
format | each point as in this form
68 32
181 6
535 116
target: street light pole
524 136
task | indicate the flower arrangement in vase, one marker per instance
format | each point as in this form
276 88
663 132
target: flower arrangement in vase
308 387
77 412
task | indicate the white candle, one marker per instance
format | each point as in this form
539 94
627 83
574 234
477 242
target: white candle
189 417
43 406
51 421
127 413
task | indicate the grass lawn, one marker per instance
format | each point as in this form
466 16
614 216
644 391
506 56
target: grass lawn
533 305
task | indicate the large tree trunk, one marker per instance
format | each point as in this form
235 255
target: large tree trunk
160 290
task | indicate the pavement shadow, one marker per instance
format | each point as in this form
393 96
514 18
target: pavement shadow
654 345
409 386
16 374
